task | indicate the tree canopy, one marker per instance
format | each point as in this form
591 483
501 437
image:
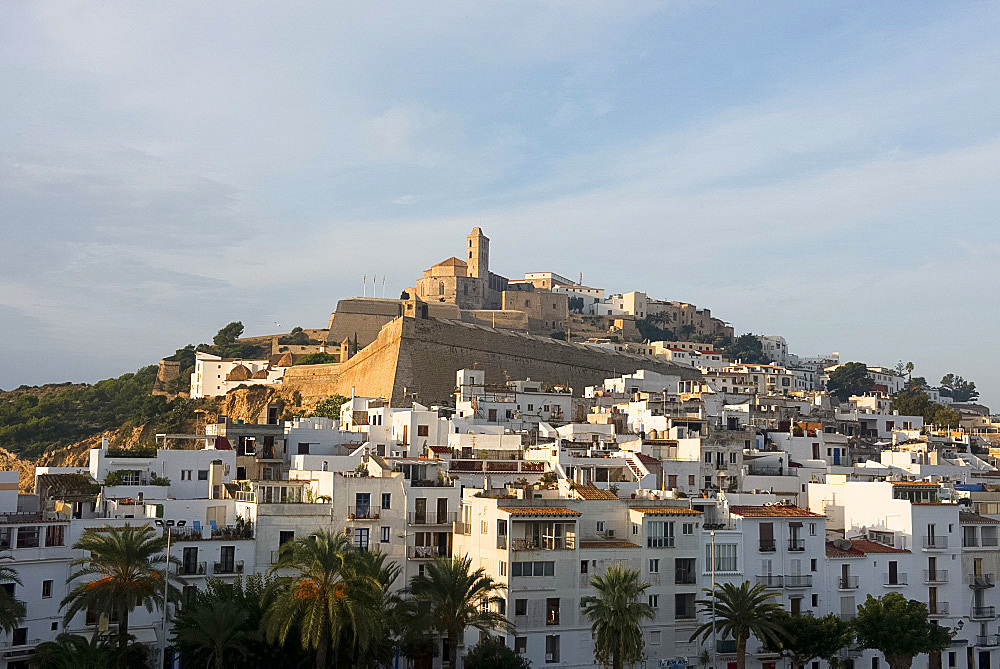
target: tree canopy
899 628
747 349
958 388
917 403
330 407
808 638
492 653
616 615
849 379
316 359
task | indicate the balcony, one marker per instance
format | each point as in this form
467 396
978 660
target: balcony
726 647
192 569
978 581
889 581
363 512
546 544
432 518
847 583
796 545
984 612
935 543
426 552
799 581
989 640
935 576
847 616
767 546
770 580
234 567
685 578
462 528
938 609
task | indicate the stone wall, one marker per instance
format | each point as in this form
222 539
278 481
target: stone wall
418 358
361 316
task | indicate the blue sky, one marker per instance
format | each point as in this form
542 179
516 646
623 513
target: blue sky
823 171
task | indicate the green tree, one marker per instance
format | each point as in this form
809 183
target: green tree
228 334
316 359
12 611
945 416
655 328
330 407
387 617
741 611
123 569
212 632
917 403
747 349
616 615
74 651
809 638
321 587
492 653
457 598
899 628
849 379
909 369
958 388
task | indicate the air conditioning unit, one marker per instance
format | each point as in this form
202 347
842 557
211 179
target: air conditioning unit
609 534
549 657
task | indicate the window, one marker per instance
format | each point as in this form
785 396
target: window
583 566
687 528
55 535
654 601
552 611
552 648
815 601
46 589
284 536
654 566
684 606
812 564
186 475
27 537
725 557
503 568
521 645
384 538
635 528
546 568
359 537
660 534
422 430
387 500
691 480
202 474
520 607
708 457
732 458
812 529
600 526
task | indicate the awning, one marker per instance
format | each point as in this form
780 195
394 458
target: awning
144 635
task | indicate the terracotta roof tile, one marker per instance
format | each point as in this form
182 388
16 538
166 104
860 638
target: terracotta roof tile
976 519
608 544
593 492
665 510
538 511
860 548
775 511
921 483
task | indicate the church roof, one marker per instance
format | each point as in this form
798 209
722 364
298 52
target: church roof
451 262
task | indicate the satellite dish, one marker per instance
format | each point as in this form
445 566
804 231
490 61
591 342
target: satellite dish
225 470
843 544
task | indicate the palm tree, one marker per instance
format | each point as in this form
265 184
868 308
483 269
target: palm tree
212 631
328 593
73 651
387 617
125 565
457 598
12 611
741 611
616 616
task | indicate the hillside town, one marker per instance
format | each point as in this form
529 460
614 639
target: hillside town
501 437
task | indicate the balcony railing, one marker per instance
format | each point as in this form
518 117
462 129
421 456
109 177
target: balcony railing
848 583
426 552
799 581
989 640
890 581
235 567
546 544
462 528
984 612
432 518
767 546
796 544
935 542
937 609
845 615
363 512
192 569
770 580
935 576
981 580
27 642
726 647
685 578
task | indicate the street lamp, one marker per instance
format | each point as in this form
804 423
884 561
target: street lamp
715 644
169 524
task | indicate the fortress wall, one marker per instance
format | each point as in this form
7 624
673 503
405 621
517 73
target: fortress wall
417 356
432 351
363 317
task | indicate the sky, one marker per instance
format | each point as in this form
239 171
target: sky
828 172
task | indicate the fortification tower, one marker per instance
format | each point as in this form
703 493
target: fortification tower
478 250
